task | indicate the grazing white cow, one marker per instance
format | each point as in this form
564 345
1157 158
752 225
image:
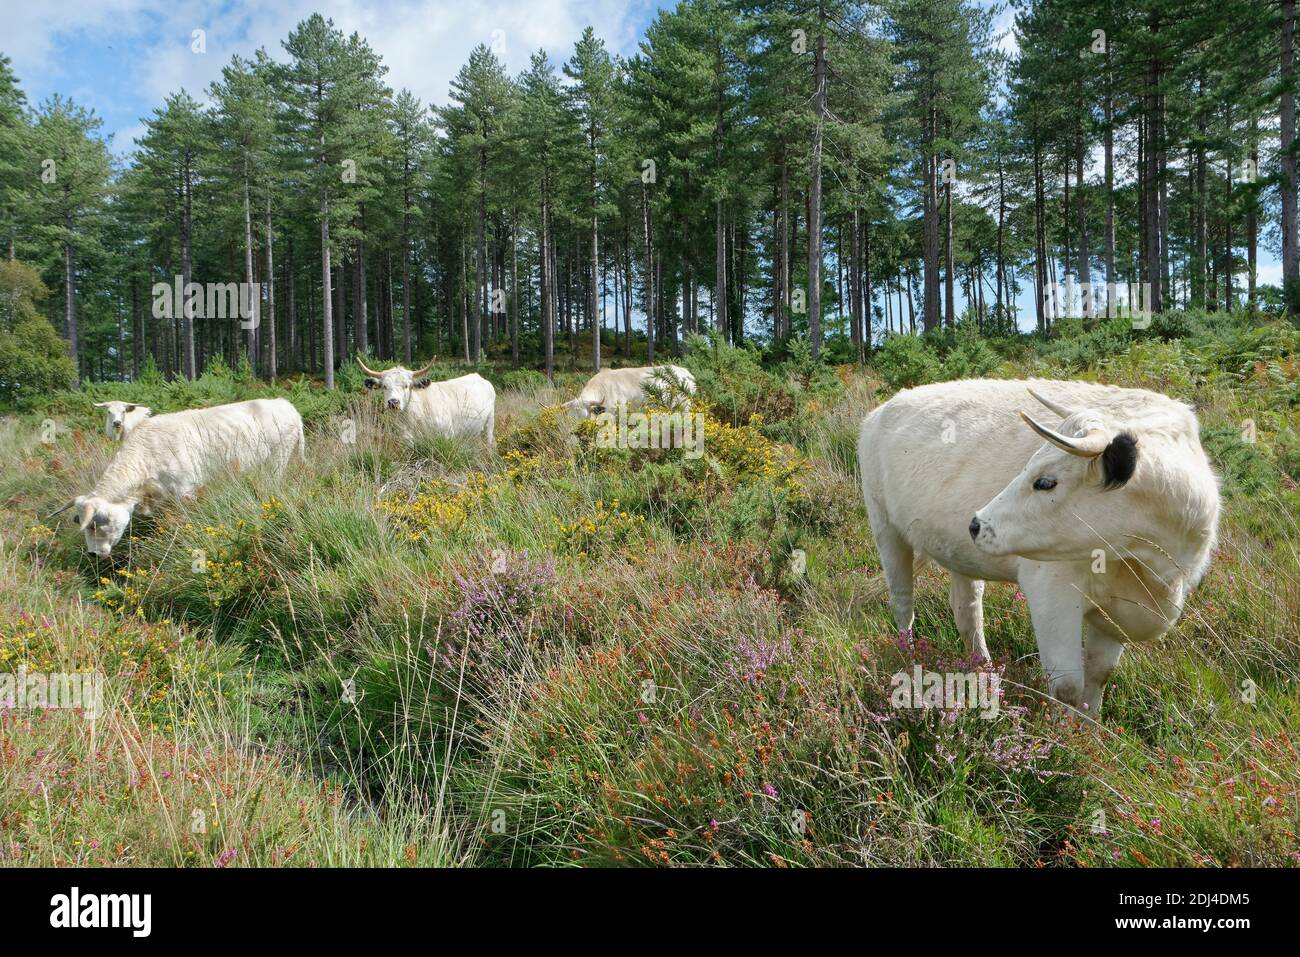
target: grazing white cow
121 417
457 408
610 387
1107 520
171 456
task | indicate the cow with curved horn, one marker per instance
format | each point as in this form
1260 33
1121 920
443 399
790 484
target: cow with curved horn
1106 520
457 408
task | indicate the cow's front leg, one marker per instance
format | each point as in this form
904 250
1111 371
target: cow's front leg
1101 652
1056 609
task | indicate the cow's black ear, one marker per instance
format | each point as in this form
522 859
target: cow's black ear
372 384
424 383
1119 461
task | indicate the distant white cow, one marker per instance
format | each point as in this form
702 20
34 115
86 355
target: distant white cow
457 408
610 387
121 417
172 456
1107 525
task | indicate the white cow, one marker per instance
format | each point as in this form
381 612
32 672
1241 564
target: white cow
121 417
171 456
1106 525
610 387
457 408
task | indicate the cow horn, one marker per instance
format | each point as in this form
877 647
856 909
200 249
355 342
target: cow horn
367 370
1090 444
422 371
1060 410
59 511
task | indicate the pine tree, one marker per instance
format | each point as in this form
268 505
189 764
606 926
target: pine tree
68 170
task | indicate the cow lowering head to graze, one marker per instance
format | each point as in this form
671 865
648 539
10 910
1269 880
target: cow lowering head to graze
172 456
1107 519
457 408
609 388
121 417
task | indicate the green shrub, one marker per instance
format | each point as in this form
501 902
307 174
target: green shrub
966 355
34 360
1288 453
1245 470
907 361
524 380
1078 347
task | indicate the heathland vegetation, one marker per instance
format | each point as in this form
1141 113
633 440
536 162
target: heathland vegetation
554 653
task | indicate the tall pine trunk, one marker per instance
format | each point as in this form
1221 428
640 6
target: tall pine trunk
514 291
327 298
815 198
1085 267
1290 237
930 216
649 276
949 297
548 295
254 302
271 362
187 307
70 300
1108 137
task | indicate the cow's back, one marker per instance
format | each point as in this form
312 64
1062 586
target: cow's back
609 387
457 408
241 434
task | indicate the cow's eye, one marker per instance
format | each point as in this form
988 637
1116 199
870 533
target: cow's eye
1044 484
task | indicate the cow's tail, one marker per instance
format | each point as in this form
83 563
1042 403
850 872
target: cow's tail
302 443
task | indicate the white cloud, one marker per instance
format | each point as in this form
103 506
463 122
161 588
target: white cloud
66 46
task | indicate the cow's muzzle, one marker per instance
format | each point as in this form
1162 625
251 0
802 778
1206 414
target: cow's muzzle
394 404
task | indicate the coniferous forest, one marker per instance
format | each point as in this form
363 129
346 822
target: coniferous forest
829 171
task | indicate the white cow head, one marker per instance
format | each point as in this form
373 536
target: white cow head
1061 507
397 383
103 522
581 408
116 417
